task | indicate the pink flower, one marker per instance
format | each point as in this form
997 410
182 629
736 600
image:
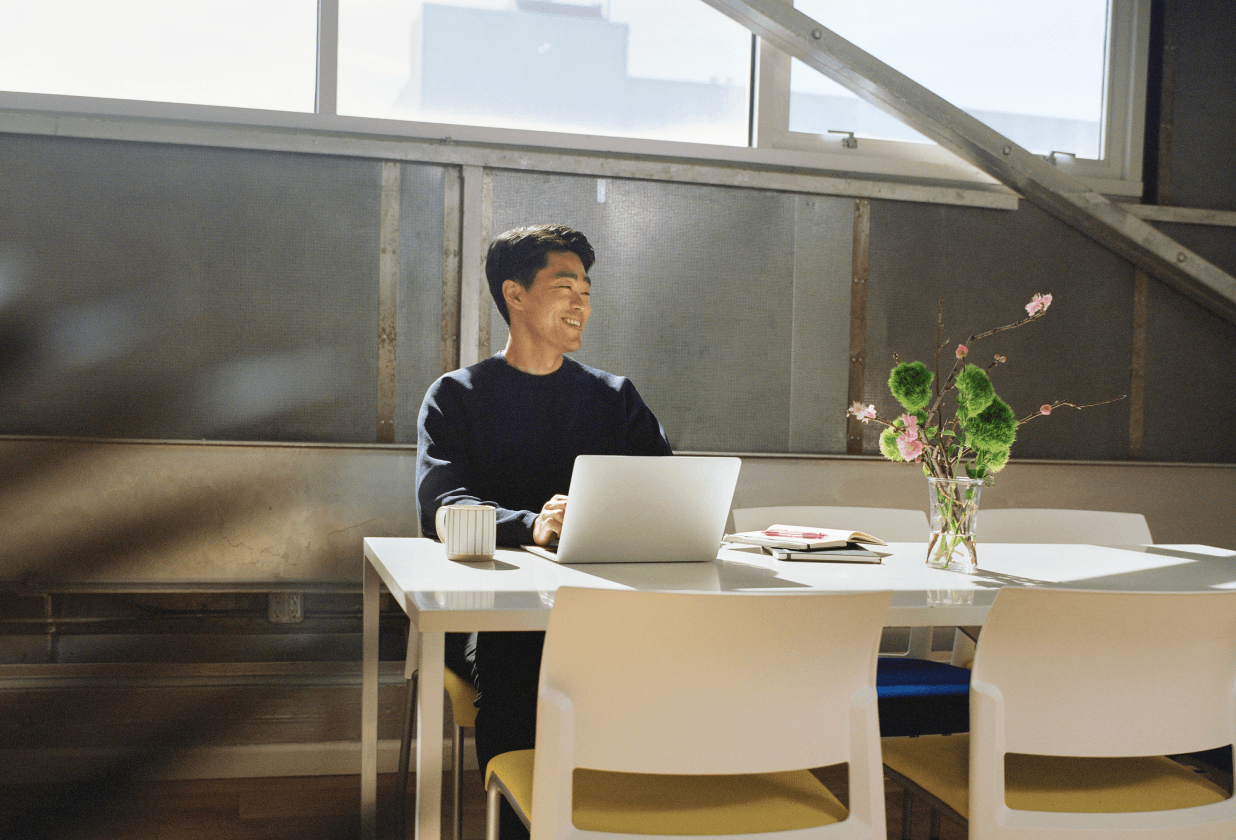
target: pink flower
1045 410
962 351
863 412
1037 304
910 448
908 443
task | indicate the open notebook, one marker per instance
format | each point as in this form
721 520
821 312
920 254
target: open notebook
645 509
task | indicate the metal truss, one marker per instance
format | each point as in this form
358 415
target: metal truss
1038 181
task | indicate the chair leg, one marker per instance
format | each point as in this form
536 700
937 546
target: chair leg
907 813
493 795
934 831
405 756
457 756
920 643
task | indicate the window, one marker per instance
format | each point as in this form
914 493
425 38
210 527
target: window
1062 76
238 53
619 69
607 76
1034 71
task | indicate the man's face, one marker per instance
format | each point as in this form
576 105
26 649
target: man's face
556 307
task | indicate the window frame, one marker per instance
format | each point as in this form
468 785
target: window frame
1118 174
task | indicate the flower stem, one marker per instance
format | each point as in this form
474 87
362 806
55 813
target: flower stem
1059 403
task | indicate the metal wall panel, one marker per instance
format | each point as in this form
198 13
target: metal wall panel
1189 395
1189 356
172 292
420 292
1199 164
819 367
693 296
987 266
1214 242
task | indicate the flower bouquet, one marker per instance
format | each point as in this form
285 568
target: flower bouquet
961 452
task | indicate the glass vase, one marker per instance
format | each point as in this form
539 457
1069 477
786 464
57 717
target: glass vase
953 508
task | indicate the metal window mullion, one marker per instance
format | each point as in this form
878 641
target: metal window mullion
771 119
327 99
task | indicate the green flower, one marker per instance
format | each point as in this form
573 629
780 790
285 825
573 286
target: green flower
910 383
974 391
888 444
994 461
992 429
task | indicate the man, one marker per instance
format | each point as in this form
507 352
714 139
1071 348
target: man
505 432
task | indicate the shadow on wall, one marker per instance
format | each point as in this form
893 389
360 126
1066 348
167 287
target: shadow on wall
76 507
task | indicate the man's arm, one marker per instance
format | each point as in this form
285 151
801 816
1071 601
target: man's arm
645 436
444 473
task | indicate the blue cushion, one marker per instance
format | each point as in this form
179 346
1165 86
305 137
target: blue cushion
921 697
905 677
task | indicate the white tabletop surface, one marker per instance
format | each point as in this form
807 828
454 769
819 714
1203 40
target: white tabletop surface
515 590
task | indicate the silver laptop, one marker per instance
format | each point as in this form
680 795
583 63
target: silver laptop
645 509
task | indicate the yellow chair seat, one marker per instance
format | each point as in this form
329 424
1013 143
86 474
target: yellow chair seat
635 803
1061 784
463 699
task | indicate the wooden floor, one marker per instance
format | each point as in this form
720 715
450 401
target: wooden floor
304 808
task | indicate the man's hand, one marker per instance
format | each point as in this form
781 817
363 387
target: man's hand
548 523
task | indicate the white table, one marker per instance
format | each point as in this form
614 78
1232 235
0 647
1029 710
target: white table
516 590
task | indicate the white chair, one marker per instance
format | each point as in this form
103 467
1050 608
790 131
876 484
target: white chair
617 752
889 524
1076 699
1053 525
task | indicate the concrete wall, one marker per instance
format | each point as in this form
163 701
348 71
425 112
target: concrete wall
75 510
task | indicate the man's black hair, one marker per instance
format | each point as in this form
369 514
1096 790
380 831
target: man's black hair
520 253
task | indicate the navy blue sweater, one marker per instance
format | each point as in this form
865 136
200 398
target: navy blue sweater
492 434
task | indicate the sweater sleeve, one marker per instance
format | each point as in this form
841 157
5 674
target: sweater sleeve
645 435
444 472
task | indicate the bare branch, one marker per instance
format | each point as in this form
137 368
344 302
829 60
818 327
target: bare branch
1060 403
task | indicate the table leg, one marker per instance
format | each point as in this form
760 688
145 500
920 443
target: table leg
429 736
369 704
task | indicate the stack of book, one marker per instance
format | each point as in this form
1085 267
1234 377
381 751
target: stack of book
793 542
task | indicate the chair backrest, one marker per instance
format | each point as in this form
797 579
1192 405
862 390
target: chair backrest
1054 525
889 524
708 683
1093 673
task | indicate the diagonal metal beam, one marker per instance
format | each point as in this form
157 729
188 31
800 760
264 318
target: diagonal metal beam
1066 198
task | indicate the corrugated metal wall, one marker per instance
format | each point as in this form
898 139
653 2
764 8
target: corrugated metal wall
172 292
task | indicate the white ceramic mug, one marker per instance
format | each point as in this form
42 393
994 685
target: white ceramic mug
470 532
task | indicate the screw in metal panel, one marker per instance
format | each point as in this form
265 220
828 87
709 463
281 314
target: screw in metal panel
285 607
817 34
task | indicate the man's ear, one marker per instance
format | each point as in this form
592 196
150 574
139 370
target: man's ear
512 293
